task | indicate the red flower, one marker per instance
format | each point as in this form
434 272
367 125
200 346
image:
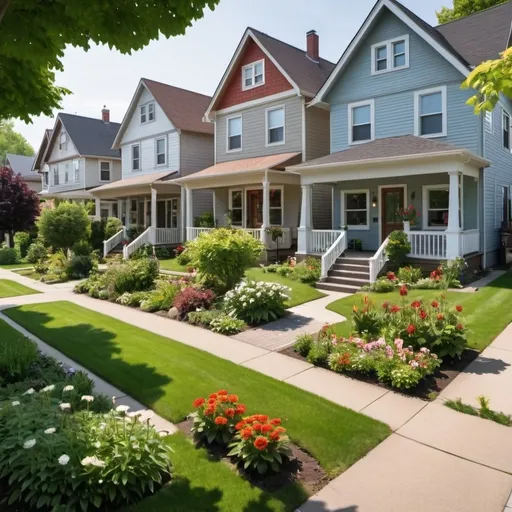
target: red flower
223 398
257 427
423 314
403 291
385 305
222 392
230 412
460 327
434 304
391 276
233 398
240 409
220 420
459 308
246 433
416 304
261 443
240 425
275 422
209 411
212 401
411 329
275 436
262 418
281 430
440 316
213 395
395 309
198 402
266 428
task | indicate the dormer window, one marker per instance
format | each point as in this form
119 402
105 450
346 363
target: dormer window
390 55
253 75
147 112
63 141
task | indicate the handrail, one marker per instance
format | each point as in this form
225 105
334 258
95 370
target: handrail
333 253
143 238
113 241
322 239
378 260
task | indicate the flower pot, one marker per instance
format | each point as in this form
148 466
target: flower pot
407 226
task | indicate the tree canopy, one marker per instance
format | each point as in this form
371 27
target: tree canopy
463 8
34 35
12 142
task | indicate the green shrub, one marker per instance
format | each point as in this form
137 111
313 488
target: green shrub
144 251
398 248
8 255
382 285
409 275
82 248
16 357
163 253
112 227
98 233
308 271
80 266
205 220
429 284
303 344
225 324
222 256
184 257
204 317
22 241
162 298
367 320
131 276
452 271
134 299
318 354
37 252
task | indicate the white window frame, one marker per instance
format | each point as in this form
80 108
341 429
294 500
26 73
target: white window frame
76 170
504 114
444 112
56 182
66 172
241 134
245 190
252 66
175 211
63 141
270 188
488 121
164 153
390 57
267 130
132 158
109 170
242 192
351 107
425 205
362 227
498 209
144 111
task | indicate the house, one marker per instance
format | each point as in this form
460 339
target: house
402 134
162 137
76 156
22 164
261 126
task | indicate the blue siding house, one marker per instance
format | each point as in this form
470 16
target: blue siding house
402 134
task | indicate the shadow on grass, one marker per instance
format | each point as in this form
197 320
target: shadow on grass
95 349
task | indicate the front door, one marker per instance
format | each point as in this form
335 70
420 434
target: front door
392 200
254 208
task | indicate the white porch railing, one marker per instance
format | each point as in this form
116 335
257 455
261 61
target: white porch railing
321 240
470 241
144 238
165 236
333 253
193 233
427 244
378 260
113 241
254 232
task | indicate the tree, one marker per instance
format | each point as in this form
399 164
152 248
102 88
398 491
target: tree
34 35
463 8
489 79
12 141
64 226
19 206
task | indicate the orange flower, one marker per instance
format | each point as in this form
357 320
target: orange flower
233 398
212 401
266 428
230 412
223 398
198 402
261 443
459 308
222 392
275 436
240 409
434 304
275 421
246 433
209 411
262 418
281 430
440 316
257 427
240 425
213 395
220 420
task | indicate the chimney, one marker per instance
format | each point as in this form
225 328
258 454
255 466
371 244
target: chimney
105 114
312 46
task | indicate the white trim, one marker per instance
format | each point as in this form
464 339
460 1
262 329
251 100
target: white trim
390 57
379 200
164 138
250 188
74 162
362 32
241 134
425 203
146 106
444 111
132 159
252 66
267 111
350 108
303 130
488 121
364 227
504 113
230 203
109 171
256 102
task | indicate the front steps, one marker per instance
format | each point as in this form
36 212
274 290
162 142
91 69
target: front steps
347 275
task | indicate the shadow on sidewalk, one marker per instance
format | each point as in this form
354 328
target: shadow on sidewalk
486 365
319 506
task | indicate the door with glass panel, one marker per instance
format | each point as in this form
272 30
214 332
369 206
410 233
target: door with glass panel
254 208
392 200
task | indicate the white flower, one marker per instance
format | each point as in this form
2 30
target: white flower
51 387
102 426
251 300
97 444
29 392
244 304
68 388
51 430
65 406
93 461
29 444
15 403
63 459
122 408
135 446
87 398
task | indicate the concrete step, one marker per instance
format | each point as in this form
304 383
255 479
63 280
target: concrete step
352 281
360 274
350 267
353 261
334 287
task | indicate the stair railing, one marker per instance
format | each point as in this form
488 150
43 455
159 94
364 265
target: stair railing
113 241
333 253
143 238
377 261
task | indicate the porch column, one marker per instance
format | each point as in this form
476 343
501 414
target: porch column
153 216
128 206
266 213
97 212
453 231
190 213
120 209
183 213
145 212
306 219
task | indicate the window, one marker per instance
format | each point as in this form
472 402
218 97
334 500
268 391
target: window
355 206
430 112
136 158
253 75
506 130
502 207
76 170
172 213
63 141
151 111
147 112
390 55
104 171
275 126
45 179
234 133
276 206
437 199
236 207
361 122
160 152
66 172
55 175
488 121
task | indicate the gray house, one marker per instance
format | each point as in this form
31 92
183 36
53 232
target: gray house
22 164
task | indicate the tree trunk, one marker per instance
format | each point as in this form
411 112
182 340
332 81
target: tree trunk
4 5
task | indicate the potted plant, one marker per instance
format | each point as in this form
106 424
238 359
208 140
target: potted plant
275 232
408 216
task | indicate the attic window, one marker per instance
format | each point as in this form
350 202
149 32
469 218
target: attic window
253 75
390 55
63 141
147 112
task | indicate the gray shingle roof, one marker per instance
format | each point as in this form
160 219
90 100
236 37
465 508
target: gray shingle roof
92 137
21 164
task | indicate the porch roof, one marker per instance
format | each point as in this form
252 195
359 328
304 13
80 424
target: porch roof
121 187
71 194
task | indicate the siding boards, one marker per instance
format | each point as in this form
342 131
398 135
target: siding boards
196 152
318 133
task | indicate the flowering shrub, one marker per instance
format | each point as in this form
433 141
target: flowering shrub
409 214
191 299
308 271
162 297
179 250
255 302
383 284
216 416
260 443
367 320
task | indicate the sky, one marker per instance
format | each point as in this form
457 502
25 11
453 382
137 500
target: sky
197 60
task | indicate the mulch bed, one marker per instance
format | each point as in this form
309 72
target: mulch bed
428 389
303 468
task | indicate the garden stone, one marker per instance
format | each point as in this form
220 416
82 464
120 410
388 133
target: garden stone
173 313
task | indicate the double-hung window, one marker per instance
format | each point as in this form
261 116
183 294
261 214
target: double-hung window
253 75
436 199
355 208
160 151
66 172
55 175
45 178
276 206
361 122
76 170
236 206
390 55
275 126
63 141
234 133
506 130
430 112
136 157
104 171
172 213
147 112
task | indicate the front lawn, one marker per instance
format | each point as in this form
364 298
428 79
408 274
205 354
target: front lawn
17 265
167 376
29 272
173 265
10 288
486 312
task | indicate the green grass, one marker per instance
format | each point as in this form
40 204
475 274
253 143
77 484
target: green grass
486 312
9 333
300 292
201 484
167 376
172 264
30 273
10 288
17 265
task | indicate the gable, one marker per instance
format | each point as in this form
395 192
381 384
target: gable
55 154
233 94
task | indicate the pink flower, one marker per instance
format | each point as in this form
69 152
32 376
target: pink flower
424 350
414 364
399 343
